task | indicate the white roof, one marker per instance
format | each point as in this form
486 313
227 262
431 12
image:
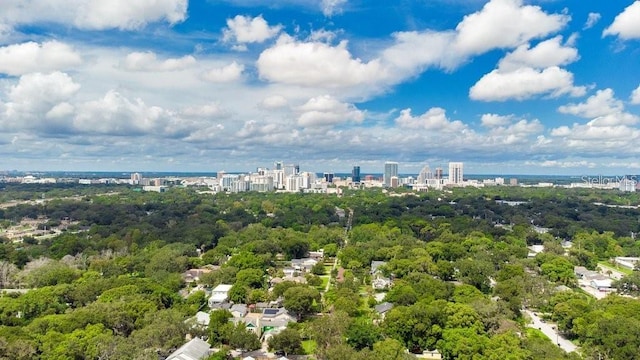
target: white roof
203 318
604 283
222 288
219 297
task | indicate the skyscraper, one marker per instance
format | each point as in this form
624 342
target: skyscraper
425 174
455 173
390 170
355 174
328 177
438 174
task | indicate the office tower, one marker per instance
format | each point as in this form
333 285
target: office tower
328 177
136 179
425 174
390 170
279 165
439 173
455 173
355 174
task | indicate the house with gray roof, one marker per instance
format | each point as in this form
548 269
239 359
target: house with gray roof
196 349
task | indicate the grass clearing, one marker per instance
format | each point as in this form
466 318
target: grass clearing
608 265
309 346
325 281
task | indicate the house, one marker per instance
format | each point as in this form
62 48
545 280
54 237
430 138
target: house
220 306
381 282
317 255
196 349
601 284
534 250
627 262
289 271
273 314
202 318
296 279
219 294
383 308
304 264
375 265
585 274
238 310
193 275
252 322
430 355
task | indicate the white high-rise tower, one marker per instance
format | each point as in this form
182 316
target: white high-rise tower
455 173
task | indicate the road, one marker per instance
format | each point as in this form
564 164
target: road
551 331
346 239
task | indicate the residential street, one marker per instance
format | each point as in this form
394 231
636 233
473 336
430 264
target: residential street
550 330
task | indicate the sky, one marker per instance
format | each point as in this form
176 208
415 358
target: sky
505 86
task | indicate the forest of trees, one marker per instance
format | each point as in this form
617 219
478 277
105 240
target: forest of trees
108 287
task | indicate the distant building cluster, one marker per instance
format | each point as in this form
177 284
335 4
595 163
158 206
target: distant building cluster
288 178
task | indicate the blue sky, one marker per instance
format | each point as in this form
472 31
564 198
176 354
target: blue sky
506 86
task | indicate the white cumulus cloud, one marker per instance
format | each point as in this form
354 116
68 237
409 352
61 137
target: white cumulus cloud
36 100
434 119
635 96
95 14
18 59
505 24
327 110
627 24
315 64
494 120
545 54
244 29
525 83
600 104
228 73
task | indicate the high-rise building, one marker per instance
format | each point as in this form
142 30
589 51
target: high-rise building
355 174
425 174
136 179
455 173
390 170
439 173
328 177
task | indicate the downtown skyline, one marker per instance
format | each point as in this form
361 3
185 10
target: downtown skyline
506 86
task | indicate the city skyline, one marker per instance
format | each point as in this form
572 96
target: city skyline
506 86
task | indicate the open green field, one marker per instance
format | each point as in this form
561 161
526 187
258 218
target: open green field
608 265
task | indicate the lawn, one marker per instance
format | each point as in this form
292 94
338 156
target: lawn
535 333
325 281
608 265
309 346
